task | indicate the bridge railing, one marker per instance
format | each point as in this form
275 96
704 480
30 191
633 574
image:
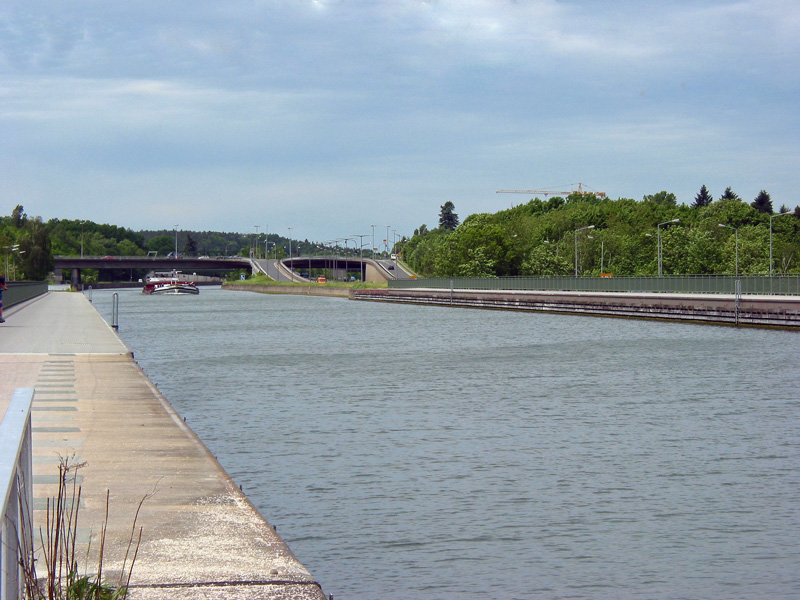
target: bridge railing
685 284
19 291
16 483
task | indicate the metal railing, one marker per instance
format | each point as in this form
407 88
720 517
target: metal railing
680 284
16 481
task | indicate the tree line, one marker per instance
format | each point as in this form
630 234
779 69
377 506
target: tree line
593 235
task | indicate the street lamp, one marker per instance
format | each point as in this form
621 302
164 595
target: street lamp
290 252
176 241
576 246
255 241
659 241
361 242
770 238
386 241
10 250
372 252
736 232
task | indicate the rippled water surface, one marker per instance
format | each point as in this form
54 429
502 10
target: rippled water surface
424 452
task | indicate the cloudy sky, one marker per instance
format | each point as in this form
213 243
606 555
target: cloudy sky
329 116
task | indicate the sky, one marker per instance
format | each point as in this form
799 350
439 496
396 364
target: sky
330 117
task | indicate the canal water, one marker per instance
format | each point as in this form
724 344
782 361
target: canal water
414 452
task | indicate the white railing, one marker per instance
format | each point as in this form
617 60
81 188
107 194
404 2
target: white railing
16 481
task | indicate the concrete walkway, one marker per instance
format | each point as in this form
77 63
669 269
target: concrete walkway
201 537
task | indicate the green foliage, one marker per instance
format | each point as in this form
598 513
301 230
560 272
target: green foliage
703 198
538 239
543 262
763 202
448 219
728 194
162 244
663 198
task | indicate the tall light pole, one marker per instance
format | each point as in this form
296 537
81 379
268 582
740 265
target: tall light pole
372 252
736 232
82 222
360 242
255 241
290 247
386 241
176 241
576 246
770 238
659 241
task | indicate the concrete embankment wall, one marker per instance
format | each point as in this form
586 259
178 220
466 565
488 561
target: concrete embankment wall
302 290
759 311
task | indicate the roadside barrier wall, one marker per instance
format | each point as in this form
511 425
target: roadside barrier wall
678 284
19 291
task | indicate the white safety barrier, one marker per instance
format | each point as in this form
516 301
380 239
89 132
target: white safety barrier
16 481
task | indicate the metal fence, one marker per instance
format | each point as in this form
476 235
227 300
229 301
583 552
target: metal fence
16 481
686 284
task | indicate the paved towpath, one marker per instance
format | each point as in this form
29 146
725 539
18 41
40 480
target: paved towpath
201 537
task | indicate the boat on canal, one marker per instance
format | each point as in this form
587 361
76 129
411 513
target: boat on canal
169 283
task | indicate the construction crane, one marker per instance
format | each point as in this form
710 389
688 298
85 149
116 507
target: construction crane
552 192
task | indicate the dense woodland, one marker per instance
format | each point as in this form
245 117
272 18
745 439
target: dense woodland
537 238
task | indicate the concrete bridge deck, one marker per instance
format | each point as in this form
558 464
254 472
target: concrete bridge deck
201 536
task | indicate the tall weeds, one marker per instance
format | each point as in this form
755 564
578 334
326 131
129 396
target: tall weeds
59 541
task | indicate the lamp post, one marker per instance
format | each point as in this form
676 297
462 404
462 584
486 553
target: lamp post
770 238
290 249
82 222
361 242
372 252
255 241
659 241
9 250
176 241
386 241
736 234
576 246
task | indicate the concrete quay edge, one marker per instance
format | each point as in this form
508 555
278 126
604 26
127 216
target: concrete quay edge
782 312
201 537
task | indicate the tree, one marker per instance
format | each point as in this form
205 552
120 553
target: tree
448 219
190 248
543 262
34 249
163 244
662 198
762 202
18 217
703 198
729 194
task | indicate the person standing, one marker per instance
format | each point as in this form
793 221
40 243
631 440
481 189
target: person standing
2 287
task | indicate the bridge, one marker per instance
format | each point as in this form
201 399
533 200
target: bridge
337 268
285 269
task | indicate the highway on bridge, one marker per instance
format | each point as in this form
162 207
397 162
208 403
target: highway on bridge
286 269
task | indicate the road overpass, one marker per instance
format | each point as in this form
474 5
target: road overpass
336 268
285 269
74 264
